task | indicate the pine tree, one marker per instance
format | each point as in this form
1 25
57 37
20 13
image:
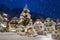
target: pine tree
0 17
25 17
25 20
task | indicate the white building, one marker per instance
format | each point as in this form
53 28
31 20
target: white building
39 26
49 25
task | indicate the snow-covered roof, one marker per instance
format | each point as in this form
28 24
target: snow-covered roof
4 14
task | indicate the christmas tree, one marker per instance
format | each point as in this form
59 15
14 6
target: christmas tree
25 20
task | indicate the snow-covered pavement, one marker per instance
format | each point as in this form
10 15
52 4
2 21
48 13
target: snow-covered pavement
14 36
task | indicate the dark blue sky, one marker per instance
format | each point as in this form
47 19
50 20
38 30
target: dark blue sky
49 8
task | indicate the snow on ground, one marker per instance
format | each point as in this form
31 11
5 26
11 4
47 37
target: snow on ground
14 36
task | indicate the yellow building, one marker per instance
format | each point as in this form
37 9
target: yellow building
13 24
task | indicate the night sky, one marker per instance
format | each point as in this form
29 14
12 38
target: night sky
47 8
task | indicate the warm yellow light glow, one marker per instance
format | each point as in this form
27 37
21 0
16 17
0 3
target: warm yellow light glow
37 22
3 25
